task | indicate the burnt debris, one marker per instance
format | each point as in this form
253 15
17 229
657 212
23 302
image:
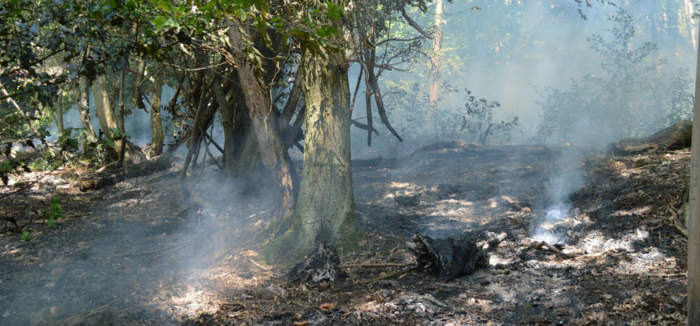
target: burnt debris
322 266
447 258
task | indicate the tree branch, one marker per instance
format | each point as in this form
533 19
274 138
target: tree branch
415 25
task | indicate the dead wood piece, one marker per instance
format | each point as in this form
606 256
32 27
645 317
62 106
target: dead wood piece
98 316
259 265
323 265
676 222
113 176
388 275
676 136
681 229
544 245
377 265
447 258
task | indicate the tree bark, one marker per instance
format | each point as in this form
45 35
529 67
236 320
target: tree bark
325 206
105 113
122 112
88 135
435 56
59 115
293 100
157 135
263 122
235 125
694 221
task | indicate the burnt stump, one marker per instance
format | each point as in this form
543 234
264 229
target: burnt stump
447 258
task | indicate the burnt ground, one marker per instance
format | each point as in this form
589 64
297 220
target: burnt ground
144 252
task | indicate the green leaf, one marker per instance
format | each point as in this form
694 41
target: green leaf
164 5
326 31
242 14
109 141
161 22
335 12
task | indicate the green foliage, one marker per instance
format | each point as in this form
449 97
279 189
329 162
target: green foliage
69 139
107 140
26 236
53 213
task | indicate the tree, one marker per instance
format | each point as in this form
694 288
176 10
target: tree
157 135
325 202
88 135
435 56
694 220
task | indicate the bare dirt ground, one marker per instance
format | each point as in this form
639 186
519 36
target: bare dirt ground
144 252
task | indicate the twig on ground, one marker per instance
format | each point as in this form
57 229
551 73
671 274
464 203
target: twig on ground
676 222
376 265
388 275
667 275
542 244
258 265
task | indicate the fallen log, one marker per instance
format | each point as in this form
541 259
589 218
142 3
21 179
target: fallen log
674 137
112 176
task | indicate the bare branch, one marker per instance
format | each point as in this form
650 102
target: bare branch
415 25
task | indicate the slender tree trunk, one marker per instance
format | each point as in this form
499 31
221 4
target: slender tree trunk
141 72
687 19
368 107
103 105
229 112
157 135
293 100
324 209
88 135
122 112
435 56
59 115
694 221
263 122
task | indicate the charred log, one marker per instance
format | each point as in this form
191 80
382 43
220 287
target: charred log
447 258
676 136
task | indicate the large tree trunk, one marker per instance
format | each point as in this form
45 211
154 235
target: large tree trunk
88 135
263 122
435 56
694 221
157 135
324 209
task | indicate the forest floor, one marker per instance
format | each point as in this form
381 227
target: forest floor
142 251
